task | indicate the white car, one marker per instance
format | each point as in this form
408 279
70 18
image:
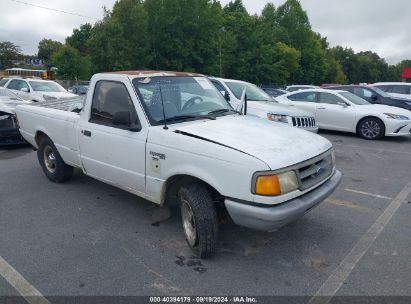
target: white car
344 111
169 136
293 88
36 90
395 89
262 105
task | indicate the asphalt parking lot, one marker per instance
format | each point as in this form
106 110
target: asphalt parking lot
86 238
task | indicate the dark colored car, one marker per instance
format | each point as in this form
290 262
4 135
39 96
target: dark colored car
9 128
79 90
274 92
374 95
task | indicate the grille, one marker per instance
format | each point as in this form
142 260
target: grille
303 122
315 171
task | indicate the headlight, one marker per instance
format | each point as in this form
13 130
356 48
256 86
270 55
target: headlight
395 116
277 117
276 184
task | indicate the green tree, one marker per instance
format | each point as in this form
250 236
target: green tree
70 64
108 49
8 52
47 48
184 34
80 37
293 28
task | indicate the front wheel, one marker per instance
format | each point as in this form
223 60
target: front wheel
199 219
53 165
371 128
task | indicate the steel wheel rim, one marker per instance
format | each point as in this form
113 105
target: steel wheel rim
189 224
49 159
370 129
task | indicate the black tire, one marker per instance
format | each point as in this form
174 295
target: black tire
371 128
53 165
202 230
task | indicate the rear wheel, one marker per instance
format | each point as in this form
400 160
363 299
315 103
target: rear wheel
53 165
371 128
199 219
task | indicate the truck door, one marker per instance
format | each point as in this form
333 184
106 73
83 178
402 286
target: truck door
111 152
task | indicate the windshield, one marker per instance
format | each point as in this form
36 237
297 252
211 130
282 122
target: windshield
184 98
381 92
354 98
8 94
46 86
253 92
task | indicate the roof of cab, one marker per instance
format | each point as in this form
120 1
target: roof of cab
152 73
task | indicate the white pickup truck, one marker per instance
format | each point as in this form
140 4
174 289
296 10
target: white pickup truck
171 135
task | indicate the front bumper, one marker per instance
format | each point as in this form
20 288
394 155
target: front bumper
400 128
11 137
272 218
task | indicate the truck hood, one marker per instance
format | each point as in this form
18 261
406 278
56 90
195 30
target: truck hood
275 144
277 108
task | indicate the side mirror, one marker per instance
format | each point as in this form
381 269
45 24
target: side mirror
26 90
374 97
123 119
343 104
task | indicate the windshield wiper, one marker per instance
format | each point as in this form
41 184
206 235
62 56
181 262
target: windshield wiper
186 117
222 111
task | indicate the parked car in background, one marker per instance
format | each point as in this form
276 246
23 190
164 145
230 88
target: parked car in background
262 105
293 88
374 95
9 128
171 136
395 89
344 111
78 90
37 89
274 92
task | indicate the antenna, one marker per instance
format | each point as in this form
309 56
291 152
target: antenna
162 104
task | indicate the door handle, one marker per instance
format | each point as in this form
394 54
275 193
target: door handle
321 108
86 133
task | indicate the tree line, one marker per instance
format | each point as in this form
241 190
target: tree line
276 47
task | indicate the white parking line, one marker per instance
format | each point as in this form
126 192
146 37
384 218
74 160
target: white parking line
374 150
15 279
369 194
341 273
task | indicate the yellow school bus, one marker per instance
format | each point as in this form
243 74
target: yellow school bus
27 73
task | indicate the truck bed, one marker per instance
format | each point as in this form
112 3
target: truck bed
56 120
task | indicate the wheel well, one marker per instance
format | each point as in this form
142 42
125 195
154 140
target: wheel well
39 137
366 117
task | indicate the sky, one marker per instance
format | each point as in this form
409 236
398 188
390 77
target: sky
381 26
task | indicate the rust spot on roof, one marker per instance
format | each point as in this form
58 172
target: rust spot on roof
153 73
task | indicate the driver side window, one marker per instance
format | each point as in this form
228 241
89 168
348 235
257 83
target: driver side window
330 98
111 97
305 97
17 85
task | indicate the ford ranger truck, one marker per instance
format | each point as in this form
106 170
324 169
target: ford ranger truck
168 136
